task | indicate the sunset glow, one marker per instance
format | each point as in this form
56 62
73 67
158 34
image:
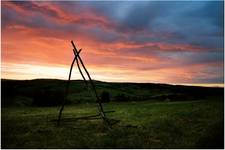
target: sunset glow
158 42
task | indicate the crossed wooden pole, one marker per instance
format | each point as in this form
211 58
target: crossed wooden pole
79 61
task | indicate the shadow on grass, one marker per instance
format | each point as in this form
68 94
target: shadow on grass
214 138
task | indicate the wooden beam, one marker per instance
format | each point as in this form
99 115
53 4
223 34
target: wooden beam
67 86
100 108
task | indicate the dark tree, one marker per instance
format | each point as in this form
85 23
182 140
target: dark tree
105 97
122 97
47 97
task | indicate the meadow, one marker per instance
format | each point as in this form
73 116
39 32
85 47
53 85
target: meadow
191 124
145 116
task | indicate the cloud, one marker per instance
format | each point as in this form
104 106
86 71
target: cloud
175 41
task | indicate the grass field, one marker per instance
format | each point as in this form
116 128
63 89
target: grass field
188 124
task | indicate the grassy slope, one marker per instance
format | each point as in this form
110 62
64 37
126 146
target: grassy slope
190 124
20 93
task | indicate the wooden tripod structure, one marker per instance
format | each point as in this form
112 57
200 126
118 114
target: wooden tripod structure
79 61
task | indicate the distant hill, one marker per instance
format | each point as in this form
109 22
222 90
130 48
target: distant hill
50 92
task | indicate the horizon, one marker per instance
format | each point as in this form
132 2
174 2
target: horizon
175 42
180 84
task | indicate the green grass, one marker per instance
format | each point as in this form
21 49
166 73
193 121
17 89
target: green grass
190 124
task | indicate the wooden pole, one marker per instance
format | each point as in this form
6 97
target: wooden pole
67 86
78 65
86 83
100 108
78 59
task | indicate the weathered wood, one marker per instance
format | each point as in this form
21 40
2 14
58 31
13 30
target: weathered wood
85 81
100 108
67 86
78 60
78 66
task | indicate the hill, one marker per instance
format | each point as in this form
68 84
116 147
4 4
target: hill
146 116
49 92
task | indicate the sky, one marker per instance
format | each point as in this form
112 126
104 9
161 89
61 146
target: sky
175 42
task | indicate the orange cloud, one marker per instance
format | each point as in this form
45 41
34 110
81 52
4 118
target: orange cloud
34 51
87 17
